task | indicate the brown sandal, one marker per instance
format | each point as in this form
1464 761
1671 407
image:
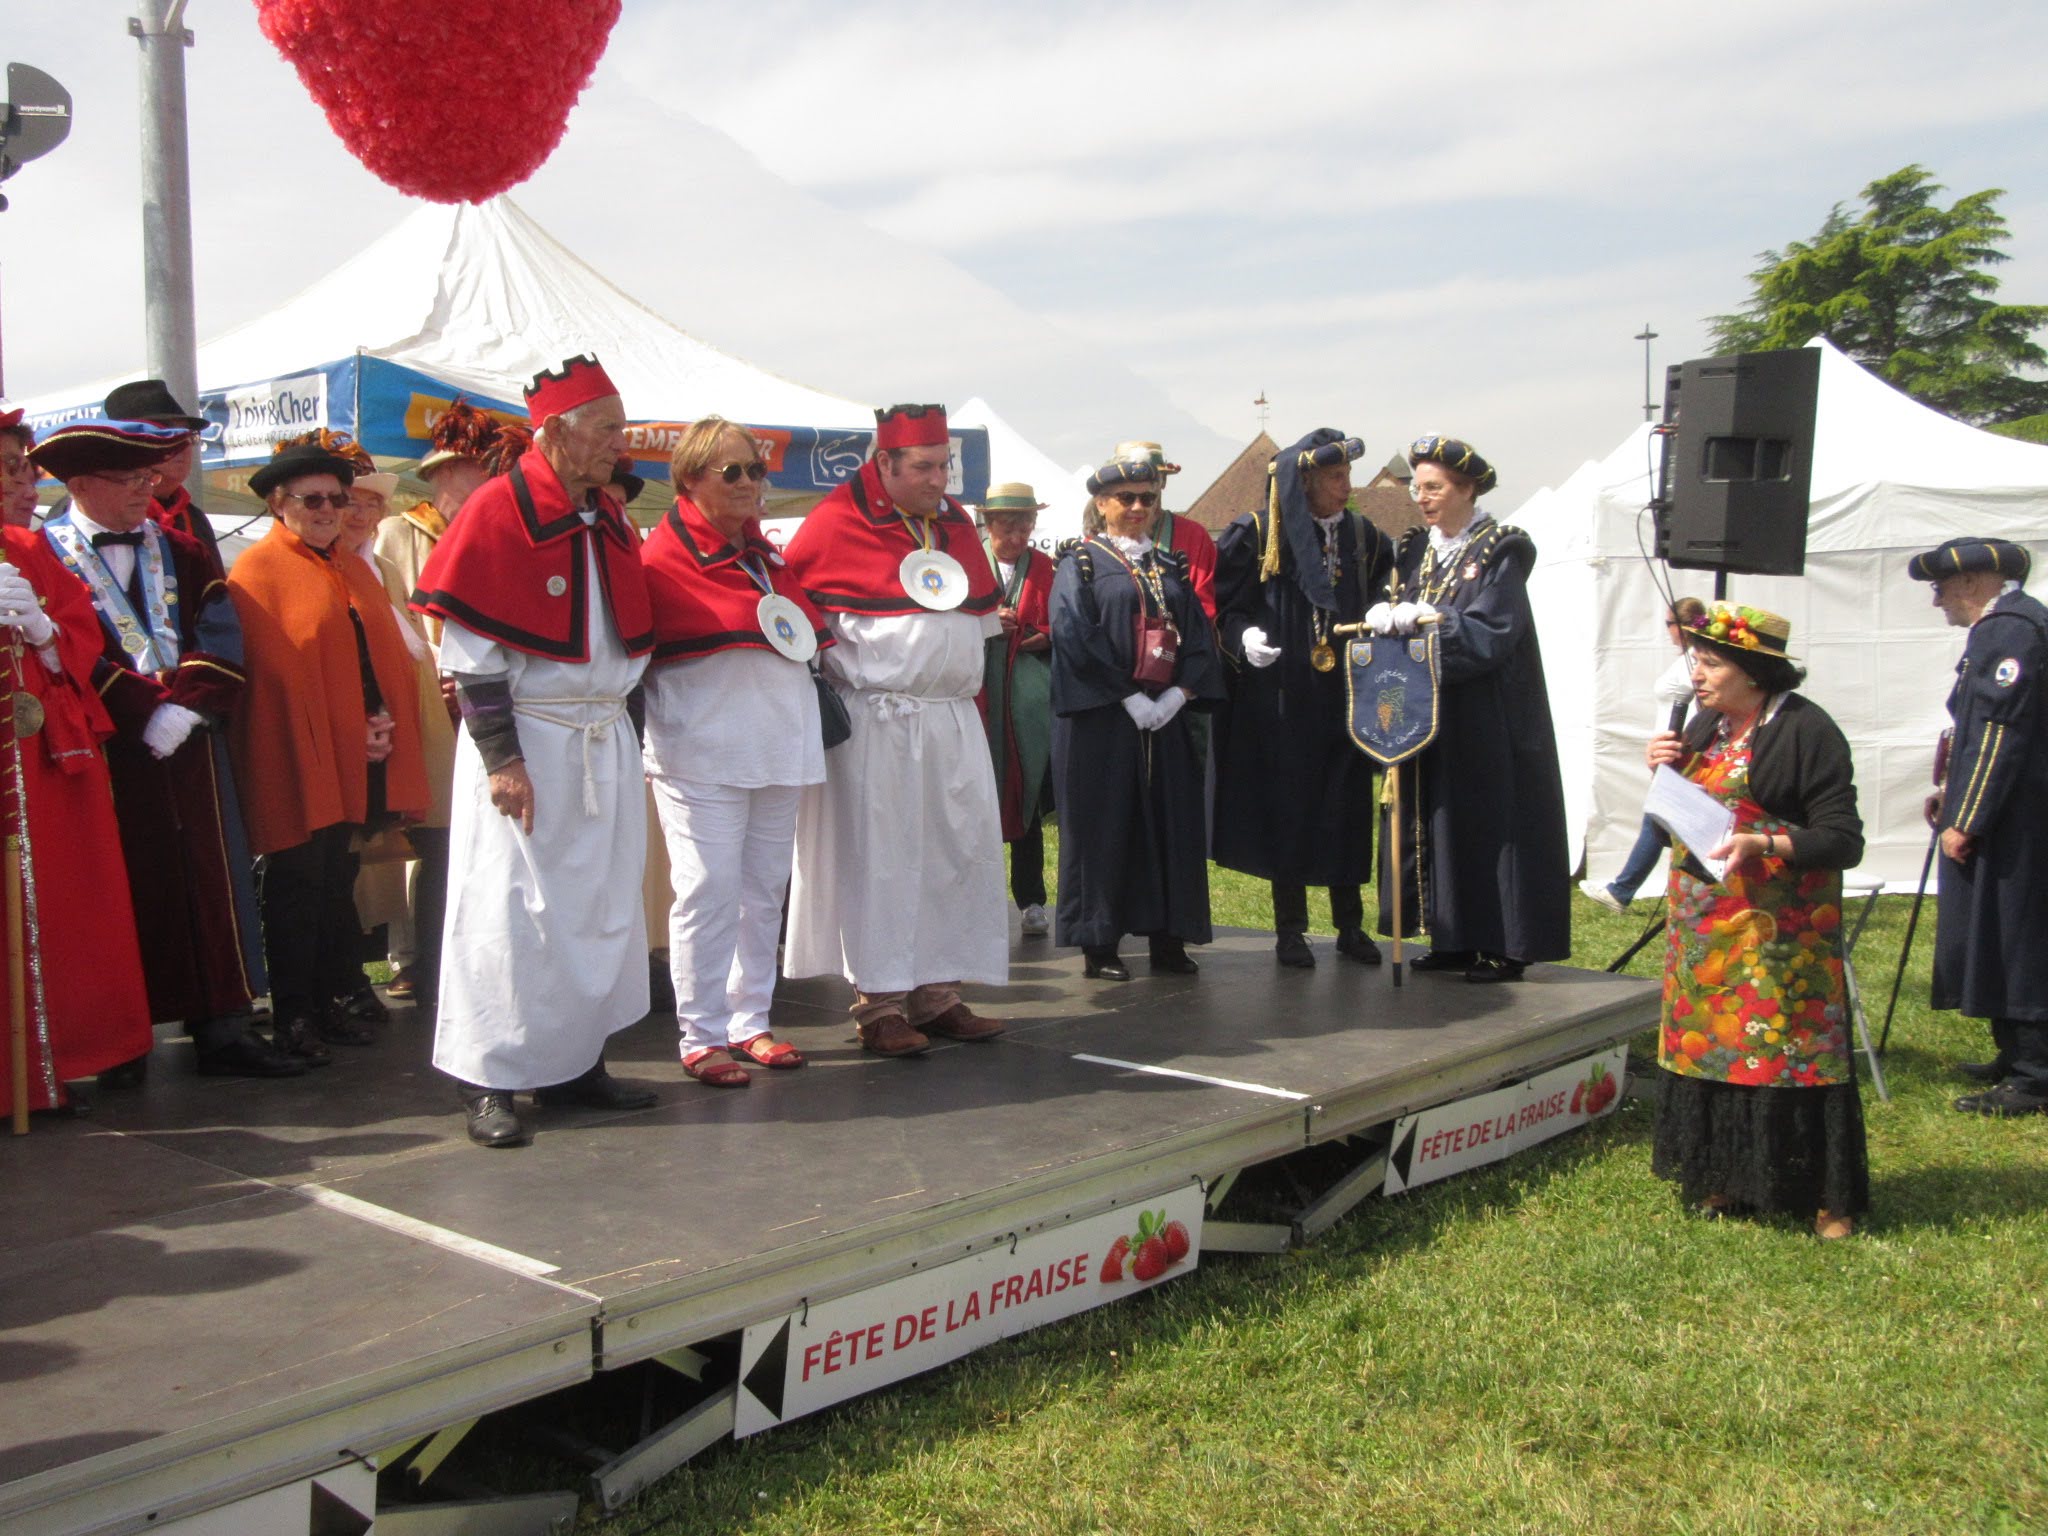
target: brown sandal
767 1051
717 1070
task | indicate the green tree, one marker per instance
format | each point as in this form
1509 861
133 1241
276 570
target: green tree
1904 286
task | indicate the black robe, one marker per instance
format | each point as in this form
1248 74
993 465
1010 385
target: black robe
1294 795
1132 856
1991 934
1482 819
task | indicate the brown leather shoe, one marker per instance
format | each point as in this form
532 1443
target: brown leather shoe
959 1022
891 1035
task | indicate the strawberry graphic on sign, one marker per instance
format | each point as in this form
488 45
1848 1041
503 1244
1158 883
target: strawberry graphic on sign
1593 1095
1151 1251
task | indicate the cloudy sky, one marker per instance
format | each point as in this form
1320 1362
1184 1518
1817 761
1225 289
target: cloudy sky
1112 219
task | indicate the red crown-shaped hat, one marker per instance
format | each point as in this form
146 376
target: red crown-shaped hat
910 426
578 381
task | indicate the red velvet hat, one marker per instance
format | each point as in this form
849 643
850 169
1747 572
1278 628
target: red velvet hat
910 426
578 381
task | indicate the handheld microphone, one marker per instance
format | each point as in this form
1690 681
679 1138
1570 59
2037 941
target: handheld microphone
1678 713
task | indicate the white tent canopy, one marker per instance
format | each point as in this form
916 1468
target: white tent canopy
1891 477
1010 457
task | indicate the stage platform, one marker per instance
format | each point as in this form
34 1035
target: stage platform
212 1288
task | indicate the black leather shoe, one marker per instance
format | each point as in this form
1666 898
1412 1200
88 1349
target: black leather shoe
1986 1072
1170 957
129 1074
595 1089
493 1122
1443 960
248 1057
2006 1100
1103 965
1488 969
299 1036
364 1004
338 1026
1291 949
1353 944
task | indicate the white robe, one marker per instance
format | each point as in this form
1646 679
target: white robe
545 948
899 853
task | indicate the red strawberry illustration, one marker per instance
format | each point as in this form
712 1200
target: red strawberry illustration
1578 1097
1152 1259
1175 1236
1601 1089
1113 1262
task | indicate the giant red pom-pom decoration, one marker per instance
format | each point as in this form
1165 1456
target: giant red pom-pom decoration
453 103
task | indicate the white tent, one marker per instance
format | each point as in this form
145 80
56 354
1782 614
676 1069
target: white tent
1010 457
1890 478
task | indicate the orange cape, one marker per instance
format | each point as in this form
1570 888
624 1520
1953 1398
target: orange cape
299 739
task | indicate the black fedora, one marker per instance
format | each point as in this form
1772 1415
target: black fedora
300 459
151 400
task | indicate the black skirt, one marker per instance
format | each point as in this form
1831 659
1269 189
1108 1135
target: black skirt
1797 1150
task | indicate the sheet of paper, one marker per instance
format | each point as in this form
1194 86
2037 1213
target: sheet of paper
1691 815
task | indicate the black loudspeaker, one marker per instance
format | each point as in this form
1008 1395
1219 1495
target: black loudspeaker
1738 462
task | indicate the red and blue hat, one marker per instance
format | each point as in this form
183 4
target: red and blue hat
96 447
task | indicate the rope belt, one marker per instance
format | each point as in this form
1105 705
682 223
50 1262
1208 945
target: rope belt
593 731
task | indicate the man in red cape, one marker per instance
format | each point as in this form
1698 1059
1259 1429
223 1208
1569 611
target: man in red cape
1016 697
546 628
899 860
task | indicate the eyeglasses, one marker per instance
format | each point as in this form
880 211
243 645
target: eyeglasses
313 501
1129 499
731 473
127 479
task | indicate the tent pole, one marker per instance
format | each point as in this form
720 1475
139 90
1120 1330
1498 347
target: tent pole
172 345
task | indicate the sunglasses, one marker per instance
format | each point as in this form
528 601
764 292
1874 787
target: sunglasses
1129 499
731 473
313 501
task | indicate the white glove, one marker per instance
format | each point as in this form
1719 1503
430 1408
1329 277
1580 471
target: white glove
1425 613
168 727
1257 651
1403 617
1141 710
1166 706
1379 618
22 610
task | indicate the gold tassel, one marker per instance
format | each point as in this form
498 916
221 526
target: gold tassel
1269 562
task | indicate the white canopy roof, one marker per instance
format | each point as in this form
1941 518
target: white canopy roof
1891 477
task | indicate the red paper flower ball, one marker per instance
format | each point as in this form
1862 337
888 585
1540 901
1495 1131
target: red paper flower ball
453 103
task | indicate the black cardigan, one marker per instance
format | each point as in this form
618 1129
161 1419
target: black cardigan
1800 772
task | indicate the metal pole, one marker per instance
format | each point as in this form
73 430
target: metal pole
1646 336
172 341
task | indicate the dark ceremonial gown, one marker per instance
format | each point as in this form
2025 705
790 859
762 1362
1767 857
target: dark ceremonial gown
87 1010
1015 698
1991 944
181 514
1294 796
189 865
1131 844
1484 826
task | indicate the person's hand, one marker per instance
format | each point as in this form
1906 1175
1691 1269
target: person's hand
1739 848
1141 709
1256 651
1931 809
1425 613
1379 618
380 726
512 794
1958 845
1008 617
451 699
1407 617
1166 706
22 611
1665 750
167 728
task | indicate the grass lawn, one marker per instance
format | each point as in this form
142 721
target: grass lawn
1549 1345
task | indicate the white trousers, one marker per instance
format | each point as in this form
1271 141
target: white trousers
729 853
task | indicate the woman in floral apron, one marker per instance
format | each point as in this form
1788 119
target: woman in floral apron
1756 1106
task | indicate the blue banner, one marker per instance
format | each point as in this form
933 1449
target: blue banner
1390 683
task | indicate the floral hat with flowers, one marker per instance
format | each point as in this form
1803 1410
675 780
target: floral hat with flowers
1739 628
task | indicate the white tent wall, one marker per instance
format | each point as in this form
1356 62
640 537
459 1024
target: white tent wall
1891 478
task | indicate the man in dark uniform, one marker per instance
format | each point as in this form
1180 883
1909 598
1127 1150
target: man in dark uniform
1989 960
151 400
1294 796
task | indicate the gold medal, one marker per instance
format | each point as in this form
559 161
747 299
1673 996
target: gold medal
1322 656
28 714
134 642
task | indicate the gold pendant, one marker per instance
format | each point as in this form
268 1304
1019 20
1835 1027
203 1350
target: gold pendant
1322 656
28 714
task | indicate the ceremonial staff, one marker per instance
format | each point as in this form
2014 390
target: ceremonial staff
24 718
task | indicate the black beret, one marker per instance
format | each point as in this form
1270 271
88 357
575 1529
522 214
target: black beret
1454 454
1123 472
1958 557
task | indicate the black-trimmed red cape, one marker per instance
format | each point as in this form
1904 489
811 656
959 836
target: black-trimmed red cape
512 569
703 599
848 554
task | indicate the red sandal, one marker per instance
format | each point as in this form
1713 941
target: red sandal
715 1069
767 1051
